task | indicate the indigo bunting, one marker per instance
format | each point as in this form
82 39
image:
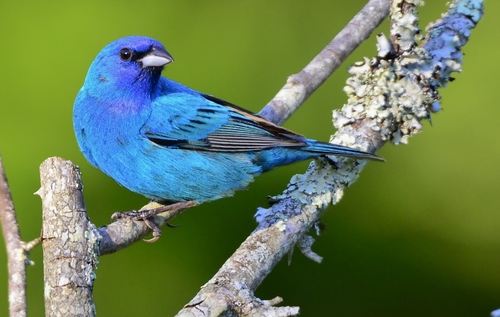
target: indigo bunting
169 142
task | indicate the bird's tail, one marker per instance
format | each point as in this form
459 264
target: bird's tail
333 149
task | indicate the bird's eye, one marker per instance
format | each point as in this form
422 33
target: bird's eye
126 54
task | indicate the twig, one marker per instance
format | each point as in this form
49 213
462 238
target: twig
125 232
16 255
300 86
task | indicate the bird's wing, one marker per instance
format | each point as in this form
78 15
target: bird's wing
202 122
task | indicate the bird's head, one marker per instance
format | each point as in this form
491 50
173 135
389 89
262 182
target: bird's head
131 64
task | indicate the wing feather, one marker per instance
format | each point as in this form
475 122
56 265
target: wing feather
205 123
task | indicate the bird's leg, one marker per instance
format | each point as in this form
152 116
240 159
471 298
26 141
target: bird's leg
147 215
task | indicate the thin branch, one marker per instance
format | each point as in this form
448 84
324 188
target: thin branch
125 232
16 255
300 86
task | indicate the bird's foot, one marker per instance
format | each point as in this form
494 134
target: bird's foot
147 215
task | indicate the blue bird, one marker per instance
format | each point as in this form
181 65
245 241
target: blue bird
169 142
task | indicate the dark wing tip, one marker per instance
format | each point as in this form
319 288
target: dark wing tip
376 158
264 123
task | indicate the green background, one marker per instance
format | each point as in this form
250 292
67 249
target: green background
416 236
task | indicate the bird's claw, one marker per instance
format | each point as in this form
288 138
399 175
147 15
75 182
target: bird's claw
133 214
156 230
147 215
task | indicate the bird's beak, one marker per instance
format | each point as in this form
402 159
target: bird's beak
156 57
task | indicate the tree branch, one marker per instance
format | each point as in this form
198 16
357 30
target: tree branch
124 232
70 241
388 97
16 254
72 244
300 86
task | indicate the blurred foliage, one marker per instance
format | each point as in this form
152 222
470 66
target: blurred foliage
416 236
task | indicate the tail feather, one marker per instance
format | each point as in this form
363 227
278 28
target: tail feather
333 149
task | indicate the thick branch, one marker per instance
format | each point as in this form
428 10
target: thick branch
70 241
386 102
16 255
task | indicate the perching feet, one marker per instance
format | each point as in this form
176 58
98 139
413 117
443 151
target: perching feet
148 214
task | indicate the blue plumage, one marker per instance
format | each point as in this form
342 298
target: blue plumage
168 142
